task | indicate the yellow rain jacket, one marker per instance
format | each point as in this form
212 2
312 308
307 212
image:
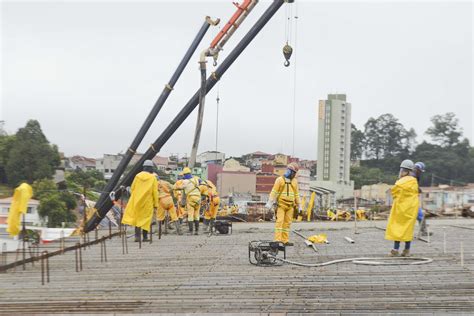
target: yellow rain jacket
143 199
285 192
401 222
22 195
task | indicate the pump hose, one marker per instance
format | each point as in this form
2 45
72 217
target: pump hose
363 261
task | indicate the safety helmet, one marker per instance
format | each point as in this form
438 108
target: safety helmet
407 164
420 166
293 166
186 170
148 163
181 174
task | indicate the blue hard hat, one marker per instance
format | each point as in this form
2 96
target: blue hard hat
420 166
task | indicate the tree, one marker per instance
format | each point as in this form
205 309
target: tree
31 156
386 137
6 142
55 205
357 143
445 130
365 176
55 209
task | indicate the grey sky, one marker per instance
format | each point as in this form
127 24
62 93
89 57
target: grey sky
91 71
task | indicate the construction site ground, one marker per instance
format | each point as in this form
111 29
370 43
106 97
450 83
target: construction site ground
201 274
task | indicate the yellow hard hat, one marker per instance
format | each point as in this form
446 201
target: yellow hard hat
186 170
293 166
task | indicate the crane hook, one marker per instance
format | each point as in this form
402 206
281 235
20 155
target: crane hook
287 51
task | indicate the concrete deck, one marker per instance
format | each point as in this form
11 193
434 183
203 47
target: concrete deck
200 274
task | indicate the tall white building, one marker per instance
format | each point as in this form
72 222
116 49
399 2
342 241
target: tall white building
334 145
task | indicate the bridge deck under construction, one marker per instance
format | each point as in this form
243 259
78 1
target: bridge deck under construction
185 274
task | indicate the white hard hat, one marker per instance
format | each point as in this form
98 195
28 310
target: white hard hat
407 164
148 163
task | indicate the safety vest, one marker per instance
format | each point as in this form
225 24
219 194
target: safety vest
164 189
285 191
191 187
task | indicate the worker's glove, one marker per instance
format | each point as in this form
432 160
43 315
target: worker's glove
269 205
300 211
420 215
129 190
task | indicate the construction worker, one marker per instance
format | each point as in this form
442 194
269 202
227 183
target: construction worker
401 222
286 196
143 201
178 193
167 205
191 198
210 191
419 169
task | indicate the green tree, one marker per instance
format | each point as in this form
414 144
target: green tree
357 143
55 205
386 137
91 180
6 142
55 209
364 175
31 156
445 131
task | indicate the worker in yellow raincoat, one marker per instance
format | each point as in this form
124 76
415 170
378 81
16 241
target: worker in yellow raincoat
166 204
209 191
21 196
286 196
191 199
143 201
401 223
178 193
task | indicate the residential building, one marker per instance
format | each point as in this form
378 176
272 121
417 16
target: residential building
32 217
268 168
334 145
80 162
255 160
107 164
280 160
374 192
212 171
230 182
210 156
234 165
264 184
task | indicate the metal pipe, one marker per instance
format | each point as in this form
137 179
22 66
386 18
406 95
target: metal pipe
187 110
200 116
151 116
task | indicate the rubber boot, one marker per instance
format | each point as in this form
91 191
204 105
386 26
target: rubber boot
137 234
145 235
211 224
206 225
196 227
190 225
178 228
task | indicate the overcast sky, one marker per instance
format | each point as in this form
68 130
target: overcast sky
90 71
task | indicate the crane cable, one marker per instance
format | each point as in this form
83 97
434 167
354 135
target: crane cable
294 81
287 49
